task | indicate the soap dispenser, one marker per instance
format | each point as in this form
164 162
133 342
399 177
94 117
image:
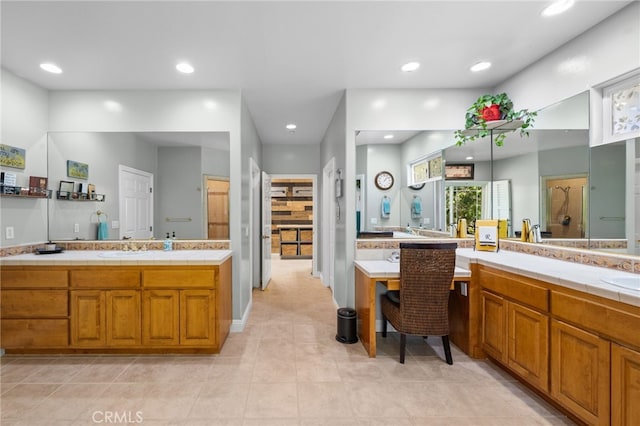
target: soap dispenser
168 243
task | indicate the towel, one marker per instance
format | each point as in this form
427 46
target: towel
386 206
103 231
416 206
488 235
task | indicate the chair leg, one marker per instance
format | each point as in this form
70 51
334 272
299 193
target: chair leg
403 344
447 349
384 326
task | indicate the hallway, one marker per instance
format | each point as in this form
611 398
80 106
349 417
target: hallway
286 368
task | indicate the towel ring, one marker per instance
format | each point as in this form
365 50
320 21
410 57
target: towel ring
99 215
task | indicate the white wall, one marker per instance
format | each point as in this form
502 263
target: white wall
383 157
24 125
523 173
289 159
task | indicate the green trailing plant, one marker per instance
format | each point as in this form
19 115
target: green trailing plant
475 119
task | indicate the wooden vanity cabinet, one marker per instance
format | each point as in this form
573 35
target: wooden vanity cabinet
513 333
625 385
34 308
116 309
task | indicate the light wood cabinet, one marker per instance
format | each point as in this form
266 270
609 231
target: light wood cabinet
512 333
528 344
116 309
34 308
105 318
625 386
580 372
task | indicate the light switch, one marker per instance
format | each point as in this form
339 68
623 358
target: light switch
9 233
76 227
374 220
115 224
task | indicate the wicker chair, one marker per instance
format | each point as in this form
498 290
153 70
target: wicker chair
426 271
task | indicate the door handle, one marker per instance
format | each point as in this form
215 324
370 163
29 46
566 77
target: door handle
265 237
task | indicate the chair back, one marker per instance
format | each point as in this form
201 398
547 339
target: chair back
426 272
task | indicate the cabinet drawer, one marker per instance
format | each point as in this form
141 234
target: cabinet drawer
179 278
606 320
516 288
34 303
34 333
34 278
105 278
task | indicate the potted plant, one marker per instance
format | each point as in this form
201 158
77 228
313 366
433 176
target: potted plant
490 108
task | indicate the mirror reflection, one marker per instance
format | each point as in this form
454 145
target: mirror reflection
138 185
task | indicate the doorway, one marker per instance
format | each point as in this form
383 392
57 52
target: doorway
136 203
565 214
217 207
293 215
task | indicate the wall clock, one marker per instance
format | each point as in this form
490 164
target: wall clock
384 180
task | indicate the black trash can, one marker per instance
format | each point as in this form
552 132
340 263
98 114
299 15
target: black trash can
347 326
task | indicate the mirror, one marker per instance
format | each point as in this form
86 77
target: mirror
179 164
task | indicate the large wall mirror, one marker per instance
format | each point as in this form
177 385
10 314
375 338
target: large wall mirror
101 184
553 178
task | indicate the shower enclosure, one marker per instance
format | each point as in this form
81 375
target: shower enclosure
566 206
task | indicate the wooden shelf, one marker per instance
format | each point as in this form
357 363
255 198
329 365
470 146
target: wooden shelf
497 126
24 192
78 196
296 242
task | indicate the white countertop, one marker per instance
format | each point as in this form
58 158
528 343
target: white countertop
118 257
386 269
577 276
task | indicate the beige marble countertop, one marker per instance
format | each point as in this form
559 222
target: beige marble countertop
119 257
577 276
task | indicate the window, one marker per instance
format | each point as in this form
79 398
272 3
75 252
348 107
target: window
424 169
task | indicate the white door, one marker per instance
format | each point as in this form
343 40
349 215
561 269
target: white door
266 230
136 203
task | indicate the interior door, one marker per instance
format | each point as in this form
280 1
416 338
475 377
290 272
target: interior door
217 209
266 230
136 203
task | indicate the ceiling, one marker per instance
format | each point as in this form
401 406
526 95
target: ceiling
291 59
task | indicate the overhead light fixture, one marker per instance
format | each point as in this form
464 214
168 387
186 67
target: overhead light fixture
291 127
388 136
557 7
185 68
52 68
469 158
410 66
481 66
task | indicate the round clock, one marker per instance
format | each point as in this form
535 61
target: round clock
384 180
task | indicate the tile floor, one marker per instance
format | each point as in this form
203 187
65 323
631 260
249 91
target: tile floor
286 368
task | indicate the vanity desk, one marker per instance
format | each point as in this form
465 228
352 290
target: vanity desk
116 302
368 274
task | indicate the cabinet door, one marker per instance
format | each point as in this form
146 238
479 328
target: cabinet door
625 386
494 330
197 317
528 344
123 317
88 324
160 317
580 372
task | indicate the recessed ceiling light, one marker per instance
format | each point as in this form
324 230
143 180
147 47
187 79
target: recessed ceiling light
291 126
481 66
388 136
410 66
52 68
557 7
469 158
185 68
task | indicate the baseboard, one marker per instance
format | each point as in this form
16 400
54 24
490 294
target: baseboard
238 325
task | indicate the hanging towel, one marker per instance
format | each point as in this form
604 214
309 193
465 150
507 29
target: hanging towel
385 206
103 231
416 207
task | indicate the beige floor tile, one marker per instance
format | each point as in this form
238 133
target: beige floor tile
272 400
285 368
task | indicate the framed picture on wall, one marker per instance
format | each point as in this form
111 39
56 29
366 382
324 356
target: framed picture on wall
66 189
458 172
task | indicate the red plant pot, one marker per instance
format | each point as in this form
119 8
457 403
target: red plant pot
490 113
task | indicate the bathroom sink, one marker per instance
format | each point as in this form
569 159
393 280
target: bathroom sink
122 253
631 283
